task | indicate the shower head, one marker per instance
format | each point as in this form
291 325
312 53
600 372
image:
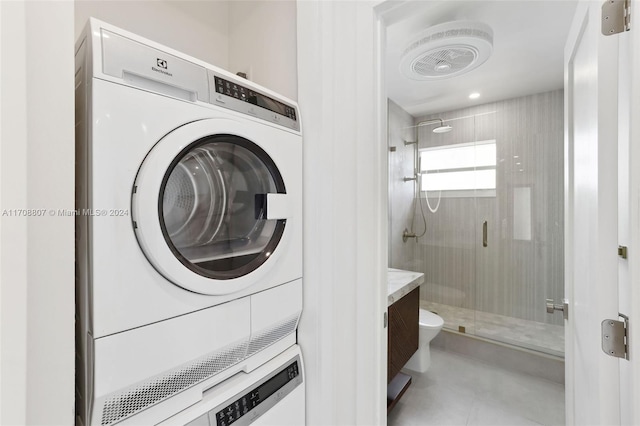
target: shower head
440 129
443 129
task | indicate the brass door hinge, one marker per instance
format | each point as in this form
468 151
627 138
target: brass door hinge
615 339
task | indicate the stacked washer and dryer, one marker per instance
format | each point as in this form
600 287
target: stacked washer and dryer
189 240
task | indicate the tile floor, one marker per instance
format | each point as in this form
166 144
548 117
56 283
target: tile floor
533 335
457 390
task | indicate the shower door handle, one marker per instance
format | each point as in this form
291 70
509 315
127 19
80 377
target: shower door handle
484 234
552 307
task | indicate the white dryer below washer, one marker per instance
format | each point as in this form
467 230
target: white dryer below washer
189 227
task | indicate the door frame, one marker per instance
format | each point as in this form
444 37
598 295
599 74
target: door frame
629 291
340 92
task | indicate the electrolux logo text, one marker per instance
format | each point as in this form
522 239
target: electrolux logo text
163 66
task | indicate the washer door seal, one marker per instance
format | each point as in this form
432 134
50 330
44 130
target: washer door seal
225 232
199 207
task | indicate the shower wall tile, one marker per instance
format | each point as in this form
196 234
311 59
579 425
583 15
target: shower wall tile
401 194
510 277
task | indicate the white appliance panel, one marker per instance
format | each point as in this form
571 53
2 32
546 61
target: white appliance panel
171 363
124 359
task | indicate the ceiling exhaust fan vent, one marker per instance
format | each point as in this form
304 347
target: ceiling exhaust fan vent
447 50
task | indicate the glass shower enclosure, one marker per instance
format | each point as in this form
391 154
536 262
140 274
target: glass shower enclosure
485 203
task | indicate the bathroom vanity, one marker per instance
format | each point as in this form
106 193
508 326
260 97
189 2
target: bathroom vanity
403 307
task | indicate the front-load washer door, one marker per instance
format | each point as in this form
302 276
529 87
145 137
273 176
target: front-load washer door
209 207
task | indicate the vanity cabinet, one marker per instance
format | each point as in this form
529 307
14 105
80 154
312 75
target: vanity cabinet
402 342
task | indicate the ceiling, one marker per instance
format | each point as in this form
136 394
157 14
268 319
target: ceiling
528 49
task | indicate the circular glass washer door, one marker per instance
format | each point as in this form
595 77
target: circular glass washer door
203 222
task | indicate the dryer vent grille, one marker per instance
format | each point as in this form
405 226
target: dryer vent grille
150 392
271 335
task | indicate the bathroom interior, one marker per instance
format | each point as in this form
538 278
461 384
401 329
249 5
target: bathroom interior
476 203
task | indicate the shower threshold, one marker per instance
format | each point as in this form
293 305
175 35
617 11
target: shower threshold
532 335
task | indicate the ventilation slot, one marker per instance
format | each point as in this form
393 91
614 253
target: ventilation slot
272 335
149 393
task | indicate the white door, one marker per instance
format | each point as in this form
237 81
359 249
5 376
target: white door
597 218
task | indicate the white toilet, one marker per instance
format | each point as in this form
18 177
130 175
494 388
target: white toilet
430 326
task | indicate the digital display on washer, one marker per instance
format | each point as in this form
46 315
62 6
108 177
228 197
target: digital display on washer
238 408
237 91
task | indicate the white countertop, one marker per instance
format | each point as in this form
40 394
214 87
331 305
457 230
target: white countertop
401 283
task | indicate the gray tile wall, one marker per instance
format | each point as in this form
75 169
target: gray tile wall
510 277
401 194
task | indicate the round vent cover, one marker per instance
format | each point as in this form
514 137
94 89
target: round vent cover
447 50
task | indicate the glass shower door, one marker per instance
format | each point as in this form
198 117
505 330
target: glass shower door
521 263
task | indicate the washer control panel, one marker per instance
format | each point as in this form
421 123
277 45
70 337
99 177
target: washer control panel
237 91
233 95
246 407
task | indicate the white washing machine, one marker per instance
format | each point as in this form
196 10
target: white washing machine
188 231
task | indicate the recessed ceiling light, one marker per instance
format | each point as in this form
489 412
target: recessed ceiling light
474 95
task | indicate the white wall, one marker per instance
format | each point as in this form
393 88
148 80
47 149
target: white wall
257 37
345 222
262 43
197 28
37 253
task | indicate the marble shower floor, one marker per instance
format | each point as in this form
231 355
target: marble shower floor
457 390
533 335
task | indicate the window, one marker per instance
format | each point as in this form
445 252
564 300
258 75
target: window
467 169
